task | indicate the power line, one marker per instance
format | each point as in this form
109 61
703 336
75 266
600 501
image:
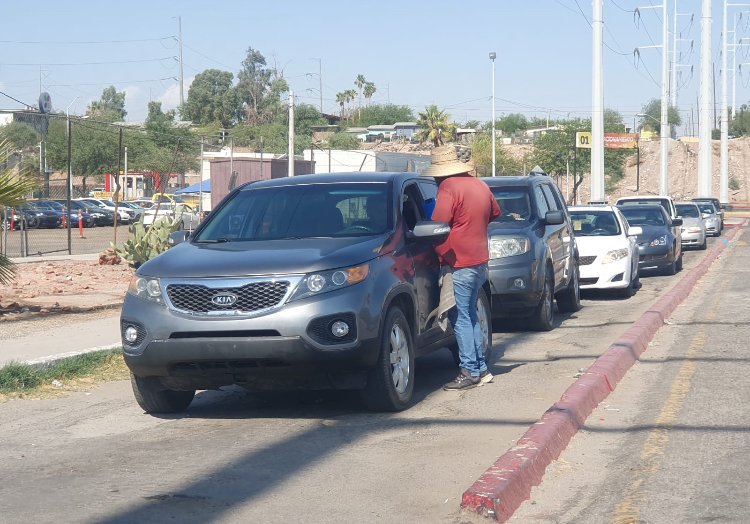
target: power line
86 42
37 64
15 99
113 83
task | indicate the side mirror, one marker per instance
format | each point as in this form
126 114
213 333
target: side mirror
634 231
178 237
706 215
428 230
553 218
677 221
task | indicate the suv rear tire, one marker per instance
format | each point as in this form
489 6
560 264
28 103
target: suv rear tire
569 299
154 397
543 317
390 384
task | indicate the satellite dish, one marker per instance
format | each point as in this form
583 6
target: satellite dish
45 103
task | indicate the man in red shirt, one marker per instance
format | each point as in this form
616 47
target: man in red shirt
467 205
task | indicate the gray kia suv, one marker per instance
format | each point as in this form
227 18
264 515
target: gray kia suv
314 281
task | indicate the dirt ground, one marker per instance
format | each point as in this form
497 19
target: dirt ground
36 282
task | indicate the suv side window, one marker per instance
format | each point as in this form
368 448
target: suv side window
554 205
541 202
429 191
411 206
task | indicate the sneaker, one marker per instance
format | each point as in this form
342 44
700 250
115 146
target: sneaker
462 381
485 377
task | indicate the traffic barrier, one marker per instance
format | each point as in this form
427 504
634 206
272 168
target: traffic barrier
80 223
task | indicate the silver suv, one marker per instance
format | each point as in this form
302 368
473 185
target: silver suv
315 281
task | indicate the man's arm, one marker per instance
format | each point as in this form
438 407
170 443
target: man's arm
494 208
443 207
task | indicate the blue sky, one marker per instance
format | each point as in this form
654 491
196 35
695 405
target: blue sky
416 52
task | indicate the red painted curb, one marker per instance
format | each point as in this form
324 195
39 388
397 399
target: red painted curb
507 483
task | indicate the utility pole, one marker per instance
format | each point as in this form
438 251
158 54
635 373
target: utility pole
182 74
494 165
597 105
665 134
724 158
704 105
290 169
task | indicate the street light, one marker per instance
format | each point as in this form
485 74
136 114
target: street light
492 57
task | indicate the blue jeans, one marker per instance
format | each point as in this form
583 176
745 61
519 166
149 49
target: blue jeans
467 281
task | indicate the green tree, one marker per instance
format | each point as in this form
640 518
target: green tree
343 141
341 101
171 150
385 114
481 155
652 122
740 125
360 82
15 185
212 98
368 90
110 107
435 126
19 135
260 88
509 124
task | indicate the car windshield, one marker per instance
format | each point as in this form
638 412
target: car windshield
514 204
301 211
688 211
638 216
661 201
707 208
595 223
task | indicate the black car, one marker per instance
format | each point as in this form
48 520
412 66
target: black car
658 247
31 216
533 255
315 281
59 209
96 216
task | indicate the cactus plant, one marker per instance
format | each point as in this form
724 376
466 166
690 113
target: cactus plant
147 242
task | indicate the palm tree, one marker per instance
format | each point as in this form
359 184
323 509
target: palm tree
350 95
15 184
435 126
369 90
360 82
341 100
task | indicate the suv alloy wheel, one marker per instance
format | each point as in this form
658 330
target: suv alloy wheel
543 318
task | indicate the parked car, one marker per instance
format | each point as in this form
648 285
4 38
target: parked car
145 203
123 215
668 204
304 282
718 209
189 217
608 249
533 255
72 214
711 218
693 227
658 247
97 216
38 217
135 209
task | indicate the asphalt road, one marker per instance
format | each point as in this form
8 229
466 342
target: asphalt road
671 443
55 241
238 457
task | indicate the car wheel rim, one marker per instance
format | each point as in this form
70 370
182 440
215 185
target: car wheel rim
547 301
576 286
399 357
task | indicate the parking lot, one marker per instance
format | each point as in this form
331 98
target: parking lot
236 456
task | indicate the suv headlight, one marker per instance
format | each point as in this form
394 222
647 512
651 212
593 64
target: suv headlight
615 255
659 241
325 281
147 288
506 246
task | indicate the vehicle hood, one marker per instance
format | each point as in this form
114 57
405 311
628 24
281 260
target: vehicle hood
651 232
509 228
599 245
269 257
691 222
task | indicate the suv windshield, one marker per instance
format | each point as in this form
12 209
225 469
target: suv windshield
688 211
594 223
639 216
301 211
514 204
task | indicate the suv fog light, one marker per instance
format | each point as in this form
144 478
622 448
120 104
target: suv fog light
340 328
519 283
131 334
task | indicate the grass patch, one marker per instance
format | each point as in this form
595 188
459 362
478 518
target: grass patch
21 380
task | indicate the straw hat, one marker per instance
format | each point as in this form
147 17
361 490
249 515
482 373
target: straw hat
445 162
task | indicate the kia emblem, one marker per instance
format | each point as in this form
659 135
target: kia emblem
224 299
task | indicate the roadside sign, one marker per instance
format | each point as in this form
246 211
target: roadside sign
584 140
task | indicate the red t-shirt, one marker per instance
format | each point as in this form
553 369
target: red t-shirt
467 204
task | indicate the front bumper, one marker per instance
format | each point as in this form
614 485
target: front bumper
514 285
211 351
614 275
693 239
657 257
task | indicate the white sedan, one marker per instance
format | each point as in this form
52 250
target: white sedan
607 248
190 218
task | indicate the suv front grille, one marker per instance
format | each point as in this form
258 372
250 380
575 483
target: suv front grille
585 261
251 297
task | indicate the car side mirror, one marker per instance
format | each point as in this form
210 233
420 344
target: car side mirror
634 231
178 237
429 230
553 218
677 221
706 215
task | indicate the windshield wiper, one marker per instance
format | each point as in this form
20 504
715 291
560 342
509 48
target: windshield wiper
213 241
